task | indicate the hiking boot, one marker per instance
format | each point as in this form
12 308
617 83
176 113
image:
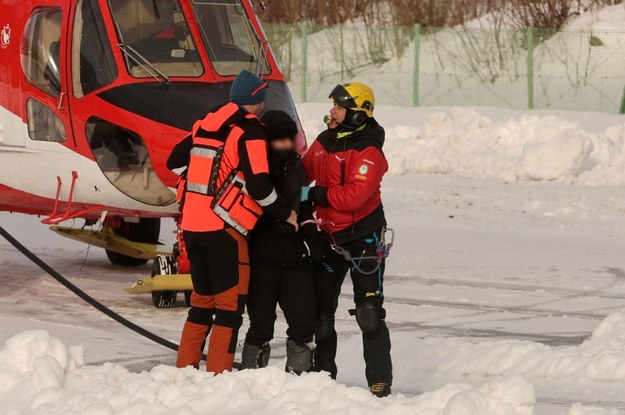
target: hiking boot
299 356
254 357
381 390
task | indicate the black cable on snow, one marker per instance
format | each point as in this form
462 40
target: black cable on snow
90 300
84 296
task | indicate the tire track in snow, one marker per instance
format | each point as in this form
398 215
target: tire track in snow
617 273
486 309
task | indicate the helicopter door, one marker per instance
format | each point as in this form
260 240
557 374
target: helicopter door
121 153
43 84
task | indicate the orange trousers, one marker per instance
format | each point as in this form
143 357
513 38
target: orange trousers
220 271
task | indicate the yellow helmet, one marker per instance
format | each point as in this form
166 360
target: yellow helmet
354 96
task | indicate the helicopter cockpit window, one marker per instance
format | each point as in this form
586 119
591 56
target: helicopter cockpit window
230 38
124 159
41 50
93 64
155 38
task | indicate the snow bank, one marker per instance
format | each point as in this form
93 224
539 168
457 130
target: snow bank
34 360
39 375
462 142
561 156
600 358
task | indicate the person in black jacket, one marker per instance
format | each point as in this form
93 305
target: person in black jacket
281 260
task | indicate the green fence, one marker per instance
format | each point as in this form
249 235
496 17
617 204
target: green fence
413 66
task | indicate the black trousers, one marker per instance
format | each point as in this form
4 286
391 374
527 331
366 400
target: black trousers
220 271
292 288
329 277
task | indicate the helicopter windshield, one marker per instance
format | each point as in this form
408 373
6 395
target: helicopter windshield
230 39
155 38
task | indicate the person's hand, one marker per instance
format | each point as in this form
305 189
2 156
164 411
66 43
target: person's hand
293 220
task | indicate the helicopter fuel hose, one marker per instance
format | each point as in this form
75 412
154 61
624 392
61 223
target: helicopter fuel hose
84 296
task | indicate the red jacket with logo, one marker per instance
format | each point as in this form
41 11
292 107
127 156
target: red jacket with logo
348 172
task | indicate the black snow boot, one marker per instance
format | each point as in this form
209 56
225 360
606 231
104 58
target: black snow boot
299 356
255 357
381 390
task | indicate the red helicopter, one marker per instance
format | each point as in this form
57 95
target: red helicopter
94 94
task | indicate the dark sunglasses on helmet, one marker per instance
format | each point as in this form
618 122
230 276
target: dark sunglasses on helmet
342 98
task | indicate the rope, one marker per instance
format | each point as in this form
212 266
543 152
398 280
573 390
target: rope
383 250
317 222
381 254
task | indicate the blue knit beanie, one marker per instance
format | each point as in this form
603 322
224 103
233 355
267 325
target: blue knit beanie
248 89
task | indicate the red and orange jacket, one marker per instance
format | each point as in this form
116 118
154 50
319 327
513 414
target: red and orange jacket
348 171
245 150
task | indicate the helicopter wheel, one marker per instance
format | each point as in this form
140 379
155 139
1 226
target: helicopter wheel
164 265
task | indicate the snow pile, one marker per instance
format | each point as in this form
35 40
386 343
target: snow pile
600 358
561 156
34 360
462 142
39 375
507 145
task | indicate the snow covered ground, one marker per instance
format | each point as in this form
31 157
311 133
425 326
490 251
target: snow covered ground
505 294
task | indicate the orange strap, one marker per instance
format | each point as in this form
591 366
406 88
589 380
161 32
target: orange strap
215 120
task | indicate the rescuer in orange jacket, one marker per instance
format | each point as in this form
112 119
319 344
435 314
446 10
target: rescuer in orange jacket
226 189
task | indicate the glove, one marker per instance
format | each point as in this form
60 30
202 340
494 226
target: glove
317 243
316 194
317 253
